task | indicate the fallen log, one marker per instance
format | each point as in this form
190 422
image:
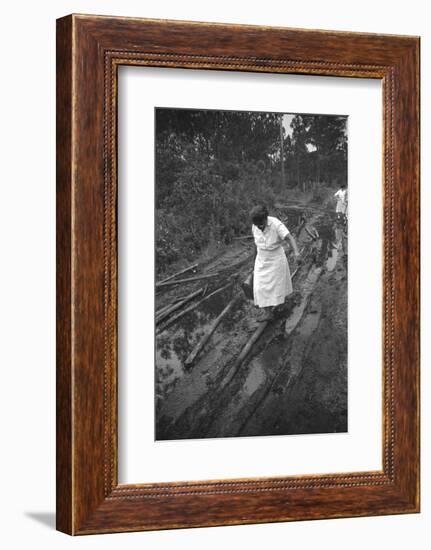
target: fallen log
173 307
164 308
245 351
194 266
208 275
189 280
175 318
254 338
174 301
295 272
200 346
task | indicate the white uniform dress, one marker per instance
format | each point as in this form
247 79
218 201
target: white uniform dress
341 196
271 282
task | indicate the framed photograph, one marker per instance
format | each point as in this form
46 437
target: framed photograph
237 274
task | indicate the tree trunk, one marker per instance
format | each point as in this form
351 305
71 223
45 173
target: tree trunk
298 172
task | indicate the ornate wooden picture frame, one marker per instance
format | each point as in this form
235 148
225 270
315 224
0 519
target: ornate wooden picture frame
89 51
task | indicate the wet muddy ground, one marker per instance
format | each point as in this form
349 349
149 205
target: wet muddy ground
293 380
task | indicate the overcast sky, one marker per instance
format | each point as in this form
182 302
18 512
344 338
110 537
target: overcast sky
287 119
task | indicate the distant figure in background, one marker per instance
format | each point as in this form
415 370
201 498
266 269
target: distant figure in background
271 281
341 207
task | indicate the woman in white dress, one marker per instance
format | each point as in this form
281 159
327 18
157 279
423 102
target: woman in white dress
271 280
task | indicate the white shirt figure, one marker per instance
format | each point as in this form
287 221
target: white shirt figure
341 196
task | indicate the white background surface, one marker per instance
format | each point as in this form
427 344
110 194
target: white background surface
27 232
141 458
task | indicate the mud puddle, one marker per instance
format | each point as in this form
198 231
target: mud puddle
174 344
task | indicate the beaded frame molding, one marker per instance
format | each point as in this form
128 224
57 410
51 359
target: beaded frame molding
89 51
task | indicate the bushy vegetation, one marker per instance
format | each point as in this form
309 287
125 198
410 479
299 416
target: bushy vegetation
212 167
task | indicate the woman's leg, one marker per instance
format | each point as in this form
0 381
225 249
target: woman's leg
265 314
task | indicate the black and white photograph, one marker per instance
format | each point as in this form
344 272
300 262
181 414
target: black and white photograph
251 233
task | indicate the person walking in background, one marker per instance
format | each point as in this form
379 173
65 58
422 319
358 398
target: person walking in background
271 281
341 205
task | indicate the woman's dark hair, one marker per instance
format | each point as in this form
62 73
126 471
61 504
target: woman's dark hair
259 214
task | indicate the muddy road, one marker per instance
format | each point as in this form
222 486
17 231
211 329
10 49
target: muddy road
246 378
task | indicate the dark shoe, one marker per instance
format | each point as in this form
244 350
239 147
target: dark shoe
265 316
